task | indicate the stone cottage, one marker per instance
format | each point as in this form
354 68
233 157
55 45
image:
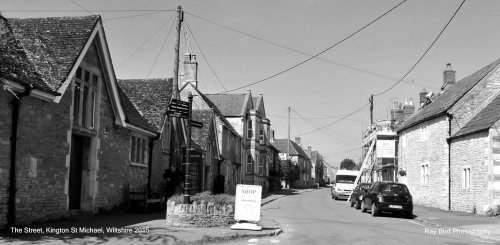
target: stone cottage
70 142
449 147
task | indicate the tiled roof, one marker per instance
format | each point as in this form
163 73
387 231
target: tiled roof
450 96
230 105
14 63
295 149
150 96
200 135
133 116
52 45
482 120
218 112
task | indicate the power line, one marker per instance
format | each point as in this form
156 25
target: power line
205 58
307 54
426 51
325 129
135 15
361 108
145 42
159 52
316 55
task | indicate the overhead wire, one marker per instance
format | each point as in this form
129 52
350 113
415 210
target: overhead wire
145 42
411 82
336 121
317 54
426 51
86 10
135 15
159 52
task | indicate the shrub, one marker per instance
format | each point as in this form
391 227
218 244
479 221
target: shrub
495 211
207 197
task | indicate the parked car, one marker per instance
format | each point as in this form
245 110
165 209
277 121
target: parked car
357 194
388 196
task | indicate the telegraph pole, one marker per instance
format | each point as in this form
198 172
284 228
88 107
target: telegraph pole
175 84
288 143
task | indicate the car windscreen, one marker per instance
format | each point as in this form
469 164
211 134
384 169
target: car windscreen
393 189
347 179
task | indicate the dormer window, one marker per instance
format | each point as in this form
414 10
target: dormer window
84 99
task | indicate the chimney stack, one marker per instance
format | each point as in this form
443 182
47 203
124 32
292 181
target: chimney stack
448 76
190 70
423 97
397 113
297 140
408 108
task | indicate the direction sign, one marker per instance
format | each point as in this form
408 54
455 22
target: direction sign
178 114
196 124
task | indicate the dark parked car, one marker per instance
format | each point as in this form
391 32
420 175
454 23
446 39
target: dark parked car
358 193
388 196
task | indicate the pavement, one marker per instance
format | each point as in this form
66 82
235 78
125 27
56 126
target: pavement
150 228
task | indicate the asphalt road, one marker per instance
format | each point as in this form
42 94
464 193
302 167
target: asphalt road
315 218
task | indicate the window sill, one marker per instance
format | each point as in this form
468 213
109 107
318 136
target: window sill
138 164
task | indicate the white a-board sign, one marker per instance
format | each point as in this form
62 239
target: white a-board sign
247 202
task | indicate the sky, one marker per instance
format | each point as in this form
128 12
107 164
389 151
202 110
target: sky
240 42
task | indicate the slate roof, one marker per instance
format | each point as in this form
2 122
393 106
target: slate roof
132 115
200 135
150 97
450 96
218 112
230 105
51 45
14 63
482 120
295 149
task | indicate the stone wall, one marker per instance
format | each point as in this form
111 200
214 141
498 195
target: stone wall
199 214
469 152
433 151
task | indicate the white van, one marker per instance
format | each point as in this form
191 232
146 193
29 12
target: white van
344 184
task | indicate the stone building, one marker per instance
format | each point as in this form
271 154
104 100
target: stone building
448 148
70 143
248 117
298 158
220 165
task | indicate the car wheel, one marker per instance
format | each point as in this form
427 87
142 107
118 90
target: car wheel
409 215
363 209
358 206
374 210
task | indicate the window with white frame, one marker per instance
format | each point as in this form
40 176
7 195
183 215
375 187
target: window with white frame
139 149
84 99
425 175
250 129
249 164
466 177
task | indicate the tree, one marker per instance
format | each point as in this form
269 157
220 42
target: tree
347 164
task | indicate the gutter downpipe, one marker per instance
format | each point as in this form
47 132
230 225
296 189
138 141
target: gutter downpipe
448 140
11 214
150 162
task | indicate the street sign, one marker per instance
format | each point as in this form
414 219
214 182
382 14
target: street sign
178 114
178 108
196 124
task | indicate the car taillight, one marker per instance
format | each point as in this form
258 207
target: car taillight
380 197
408 199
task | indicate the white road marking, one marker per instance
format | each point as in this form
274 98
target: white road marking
411 221
253 240
275 241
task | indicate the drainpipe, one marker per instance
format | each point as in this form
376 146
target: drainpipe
11 215
448 140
